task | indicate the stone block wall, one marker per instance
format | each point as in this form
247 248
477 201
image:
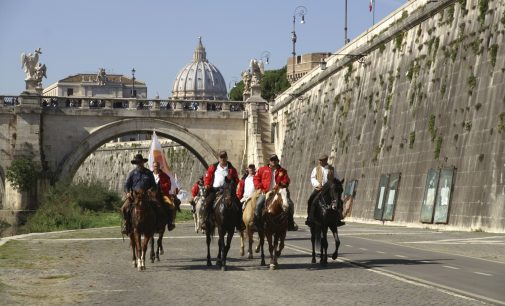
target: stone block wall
429 94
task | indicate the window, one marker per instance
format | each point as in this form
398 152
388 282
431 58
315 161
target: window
70 92
298 59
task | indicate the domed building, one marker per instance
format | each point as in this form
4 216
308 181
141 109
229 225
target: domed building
199 80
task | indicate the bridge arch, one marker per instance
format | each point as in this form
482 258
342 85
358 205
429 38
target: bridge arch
195 144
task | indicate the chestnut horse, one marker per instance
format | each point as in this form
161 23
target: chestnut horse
199 210
275 219
161 205
248 232
327 205
143 221
224 216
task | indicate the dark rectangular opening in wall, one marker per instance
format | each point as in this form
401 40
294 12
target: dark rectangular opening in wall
298 59
272 133
386 196
70 92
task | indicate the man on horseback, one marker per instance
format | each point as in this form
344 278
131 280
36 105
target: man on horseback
214 181
272 177
139 178
194 192
319 176
164 185
246 186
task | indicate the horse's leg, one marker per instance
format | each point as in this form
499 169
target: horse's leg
250 238
138 249
219 261
324 245
334 230
160 242
242 238
132 245
145 244
195 218
207 234
282 236
313 241
271 250
261 244
152 249
227 248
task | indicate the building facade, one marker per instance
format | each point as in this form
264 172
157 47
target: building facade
303 64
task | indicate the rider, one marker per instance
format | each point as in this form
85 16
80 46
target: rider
272 177
246 186
194 192
164 185
139 178
215 179
319 176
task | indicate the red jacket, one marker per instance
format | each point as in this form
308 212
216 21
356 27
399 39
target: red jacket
240 189
264 175
208 180
164 183
195 189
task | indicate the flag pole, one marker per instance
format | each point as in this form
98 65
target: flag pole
373 14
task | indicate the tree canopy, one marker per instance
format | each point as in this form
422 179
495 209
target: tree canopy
272 83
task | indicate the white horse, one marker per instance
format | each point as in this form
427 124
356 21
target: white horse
199 210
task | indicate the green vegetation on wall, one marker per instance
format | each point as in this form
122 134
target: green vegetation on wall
22 174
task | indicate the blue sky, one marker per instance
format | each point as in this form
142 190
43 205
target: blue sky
158 37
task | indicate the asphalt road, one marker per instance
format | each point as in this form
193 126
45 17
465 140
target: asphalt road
379 265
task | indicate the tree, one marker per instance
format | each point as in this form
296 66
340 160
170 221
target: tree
272 83
22 174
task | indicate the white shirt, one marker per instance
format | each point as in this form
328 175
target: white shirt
313 180
248 186
156 177
272 180
219 176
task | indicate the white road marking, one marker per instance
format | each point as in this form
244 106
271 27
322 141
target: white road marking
380 252
348 245
426 261
451 267
401 256
494 240
363 249
482 273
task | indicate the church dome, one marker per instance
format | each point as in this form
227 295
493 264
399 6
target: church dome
199 80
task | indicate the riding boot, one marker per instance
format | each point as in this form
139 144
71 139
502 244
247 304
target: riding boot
170 223
339 221
240 223
193 205
291 223
309 221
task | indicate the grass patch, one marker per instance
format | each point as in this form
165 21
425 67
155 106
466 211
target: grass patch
184 215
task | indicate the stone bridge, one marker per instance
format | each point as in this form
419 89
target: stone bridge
58 133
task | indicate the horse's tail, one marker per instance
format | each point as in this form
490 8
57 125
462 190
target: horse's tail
317 235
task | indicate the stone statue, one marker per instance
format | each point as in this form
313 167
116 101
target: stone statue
29 63
40 72
101 77
246 78
257 70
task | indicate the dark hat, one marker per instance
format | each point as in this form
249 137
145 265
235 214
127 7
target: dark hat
251 166
138 159
223 154
274 157
323 157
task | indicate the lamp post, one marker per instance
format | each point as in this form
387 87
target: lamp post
134 94
300 11
345 25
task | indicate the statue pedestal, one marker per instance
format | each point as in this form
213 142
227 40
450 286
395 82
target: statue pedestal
255 90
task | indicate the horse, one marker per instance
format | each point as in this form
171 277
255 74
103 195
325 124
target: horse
275 220
326 205
143 221
161 206
199 210
224 216
248 232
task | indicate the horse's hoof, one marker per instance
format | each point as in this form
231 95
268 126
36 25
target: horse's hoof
218 263
134 263
223 268
278 253
313 260
250 256
152 260
334 256
263 263
162 252
273 267
209 264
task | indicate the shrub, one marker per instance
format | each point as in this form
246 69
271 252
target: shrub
22 174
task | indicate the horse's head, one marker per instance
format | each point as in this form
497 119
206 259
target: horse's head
228 192
278 202
140 197
331 194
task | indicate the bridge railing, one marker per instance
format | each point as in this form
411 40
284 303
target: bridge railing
58 102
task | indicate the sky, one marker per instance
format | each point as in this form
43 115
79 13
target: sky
158 37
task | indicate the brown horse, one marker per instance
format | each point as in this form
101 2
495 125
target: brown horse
143 221
248 232
224 216
161 206
275 218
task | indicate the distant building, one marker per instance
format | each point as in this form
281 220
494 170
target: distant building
303 64
101 85
199 80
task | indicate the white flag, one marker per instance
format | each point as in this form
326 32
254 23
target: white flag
156 154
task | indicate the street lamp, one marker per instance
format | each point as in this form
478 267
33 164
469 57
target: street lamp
358 57
300 11
346 40
134 94
265 55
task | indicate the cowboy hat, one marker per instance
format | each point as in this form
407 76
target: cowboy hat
138 159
